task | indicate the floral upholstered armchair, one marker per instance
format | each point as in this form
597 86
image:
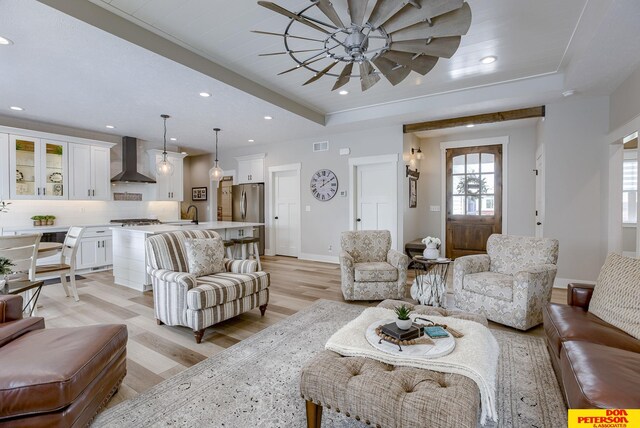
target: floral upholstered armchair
370 269
511 283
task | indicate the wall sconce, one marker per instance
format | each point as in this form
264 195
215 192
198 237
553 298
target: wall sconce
416 154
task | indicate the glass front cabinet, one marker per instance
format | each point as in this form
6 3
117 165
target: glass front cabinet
41 168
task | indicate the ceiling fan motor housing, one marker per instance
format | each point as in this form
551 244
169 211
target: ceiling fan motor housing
356 43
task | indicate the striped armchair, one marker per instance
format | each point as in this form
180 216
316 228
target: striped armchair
180 298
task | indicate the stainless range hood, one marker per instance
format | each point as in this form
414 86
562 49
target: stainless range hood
130 172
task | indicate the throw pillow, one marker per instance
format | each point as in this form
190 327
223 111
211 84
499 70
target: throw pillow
616 296
204 255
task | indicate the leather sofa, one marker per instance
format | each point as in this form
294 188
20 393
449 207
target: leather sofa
597 364
59 377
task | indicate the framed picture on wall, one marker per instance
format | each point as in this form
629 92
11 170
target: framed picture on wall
198 193
413 192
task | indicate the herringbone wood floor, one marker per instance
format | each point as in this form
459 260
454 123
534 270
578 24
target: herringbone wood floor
155 353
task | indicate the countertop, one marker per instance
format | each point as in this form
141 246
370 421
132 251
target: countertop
47 229
209 225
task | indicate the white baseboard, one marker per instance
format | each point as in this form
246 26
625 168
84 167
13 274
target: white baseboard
269 252
629 254
564 282
319 258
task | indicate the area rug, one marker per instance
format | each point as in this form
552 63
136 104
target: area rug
255 382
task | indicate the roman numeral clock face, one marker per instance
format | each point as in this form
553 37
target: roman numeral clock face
324 185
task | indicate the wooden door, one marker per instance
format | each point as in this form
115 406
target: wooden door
474 198
287 209
376 204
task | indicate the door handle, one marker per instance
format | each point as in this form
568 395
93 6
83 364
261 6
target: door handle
358 220
89 192
276 218
44 191
539 224
38 191
94 192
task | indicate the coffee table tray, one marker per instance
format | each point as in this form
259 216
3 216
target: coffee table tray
440 348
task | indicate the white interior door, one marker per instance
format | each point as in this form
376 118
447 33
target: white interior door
539 195
286 215
376 198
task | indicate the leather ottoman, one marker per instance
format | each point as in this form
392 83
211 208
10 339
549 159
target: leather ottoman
58 377
383 395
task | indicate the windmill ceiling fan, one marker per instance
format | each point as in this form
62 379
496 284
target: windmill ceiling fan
388 37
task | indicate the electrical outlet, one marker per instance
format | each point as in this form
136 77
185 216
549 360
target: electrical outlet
330 248
434 208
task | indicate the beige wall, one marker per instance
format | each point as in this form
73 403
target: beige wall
320 227
576 183
520 162
625 101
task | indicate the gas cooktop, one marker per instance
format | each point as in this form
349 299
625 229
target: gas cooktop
137 221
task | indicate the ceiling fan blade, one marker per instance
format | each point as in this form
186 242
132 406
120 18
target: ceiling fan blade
391 70
428 10
454 23
368 77
357 10
384 10
344 77
284 53
286 35
298 67
282 11
443 47
329 11
320 73
419 63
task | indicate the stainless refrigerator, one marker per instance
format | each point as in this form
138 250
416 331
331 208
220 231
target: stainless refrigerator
248 205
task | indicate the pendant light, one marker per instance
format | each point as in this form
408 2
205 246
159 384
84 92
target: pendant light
216 172
164 167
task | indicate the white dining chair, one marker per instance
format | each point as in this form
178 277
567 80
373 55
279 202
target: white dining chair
67 265
22 251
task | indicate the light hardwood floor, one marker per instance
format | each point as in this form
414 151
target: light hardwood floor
155 353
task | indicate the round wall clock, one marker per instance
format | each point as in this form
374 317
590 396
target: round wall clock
324 184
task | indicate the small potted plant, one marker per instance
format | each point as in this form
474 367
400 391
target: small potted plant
5 269
402 314
37 220
4 206
49 219
433 247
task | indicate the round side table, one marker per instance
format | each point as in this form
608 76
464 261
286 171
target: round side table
430 285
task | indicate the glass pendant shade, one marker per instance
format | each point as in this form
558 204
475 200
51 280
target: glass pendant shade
216 173
164 167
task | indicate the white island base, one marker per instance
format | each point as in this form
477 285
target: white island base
129 255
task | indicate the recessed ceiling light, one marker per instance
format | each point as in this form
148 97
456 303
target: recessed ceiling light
344 92
205 94
4 41
173 139
16 108
251 141
569 93
471 125
184 153
489 59
268 118
110 126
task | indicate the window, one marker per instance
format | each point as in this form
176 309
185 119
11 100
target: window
630 190
473 177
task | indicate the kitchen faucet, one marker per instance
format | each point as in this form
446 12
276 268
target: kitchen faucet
195 219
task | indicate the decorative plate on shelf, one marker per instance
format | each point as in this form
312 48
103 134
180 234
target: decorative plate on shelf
19 175
56 177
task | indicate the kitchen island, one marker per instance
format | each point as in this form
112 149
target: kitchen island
129 255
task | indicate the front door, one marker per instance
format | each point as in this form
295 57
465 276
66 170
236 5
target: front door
474 198
376 198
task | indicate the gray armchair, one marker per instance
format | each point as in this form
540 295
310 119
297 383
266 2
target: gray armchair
511 283
370 269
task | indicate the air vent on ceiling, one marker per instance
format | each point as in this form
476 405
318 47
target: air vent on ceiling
321 146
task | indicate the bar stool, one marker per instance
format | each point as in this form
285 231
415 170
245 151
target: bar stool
229 248
249 248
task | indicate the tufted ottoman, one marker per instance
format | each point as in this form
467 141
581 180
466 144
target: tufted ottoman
383 395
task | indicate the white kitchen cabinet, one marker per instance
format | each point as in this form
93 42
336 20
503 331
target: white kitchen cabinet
39 168
168 188
96 249
90 172
4 166
251 168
